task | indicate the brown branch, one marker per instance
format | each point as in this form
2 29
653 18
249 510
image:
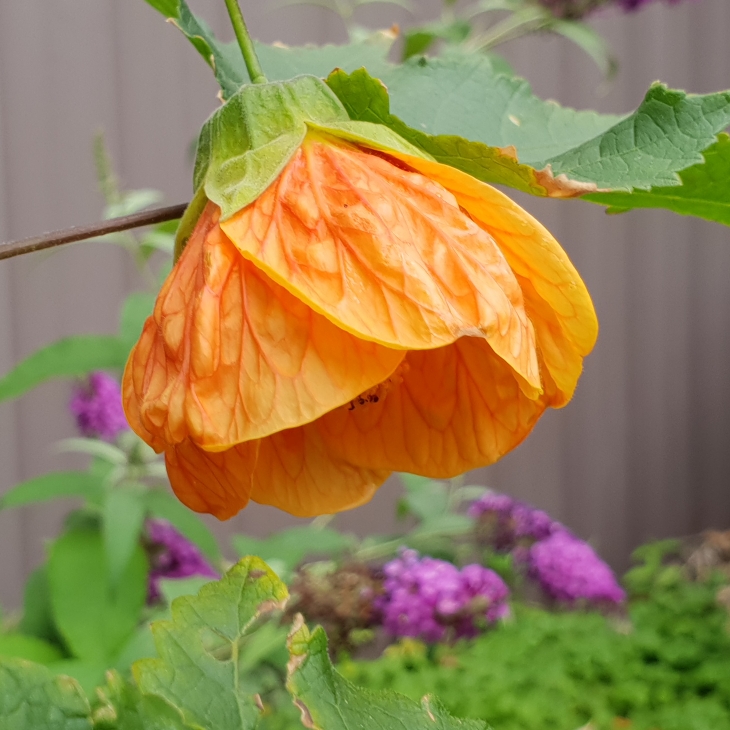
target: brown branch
80 233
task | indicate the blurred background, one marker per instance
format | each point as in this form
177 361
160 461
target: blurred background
642 451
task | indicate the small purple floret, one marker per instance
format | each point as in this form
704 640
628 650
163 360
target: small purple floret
569 570
172 556
506 523
97 408
433 600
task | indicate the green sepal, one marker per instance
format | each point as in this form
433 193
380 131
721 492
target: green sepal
188 221
245 145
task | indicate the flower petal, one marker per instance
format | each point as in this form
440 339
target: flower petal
556 299
457 408
291 470
218 483
229 355
385 253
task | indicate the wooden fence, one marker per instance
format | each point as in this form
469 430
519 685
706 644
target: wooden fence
644 448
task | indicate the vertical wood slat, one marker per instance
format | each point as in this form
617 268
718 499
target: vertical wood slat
640 452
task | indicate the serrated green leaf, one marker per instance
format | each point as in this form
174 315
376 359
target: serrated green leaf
31 698
30 648
328 701
167 507
137 307
89 675
279 62
666 134
366 99
704 192
94 619
200 648
71 357
56 485
123 512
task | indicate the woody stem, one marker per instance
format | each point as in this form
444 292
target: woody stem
246 44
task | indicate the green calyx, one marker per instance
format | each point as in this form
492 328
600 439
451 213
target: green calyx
245 145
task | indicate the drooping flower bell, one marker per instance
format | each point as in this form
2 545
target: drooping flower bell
345 307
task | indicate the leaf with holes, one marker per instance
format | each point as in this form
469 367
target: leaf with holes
202 647
327 701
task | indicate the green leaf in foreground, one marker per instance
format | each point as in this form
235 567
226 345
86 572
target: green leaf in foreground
366 99
31 698
704 192
68 358
28 647
56 485
94 618
328 701
666 134
201 648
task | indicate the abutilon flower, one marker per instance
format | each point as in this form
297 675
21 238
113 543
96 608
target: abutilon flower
345 307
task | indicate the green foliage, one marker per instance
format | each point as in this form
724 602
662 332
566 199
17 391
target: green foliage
201 647
70 357
327 700
31 698
669 668
286 549
94 617
279 63
56 485
31 648
704 191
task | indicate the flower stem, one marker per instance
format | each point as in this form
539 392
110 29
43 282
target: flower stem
244 41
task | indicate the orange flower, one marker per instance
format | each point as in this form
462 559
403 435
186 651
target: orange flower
367 312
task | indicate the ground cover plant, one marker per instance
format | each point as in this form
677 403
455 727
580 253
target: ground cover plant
345 297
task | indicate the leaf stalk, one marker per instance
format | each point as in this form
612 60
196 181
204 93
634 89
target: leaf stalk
245 43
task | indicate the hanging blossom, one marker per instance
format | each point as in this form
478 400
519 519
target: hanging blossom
568 569
172 556
433 600
345 307
97 407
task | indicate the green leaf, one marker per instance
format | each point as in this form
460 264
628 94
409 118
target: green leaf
704 192
167 507
31 698
137 307
463 95
31 648
124 513
428 501
124 707
56 485
200 648
279 62
590 41
94 620
666 134
366 99
68 358
37 614
289 547
327 700
419 39
89 675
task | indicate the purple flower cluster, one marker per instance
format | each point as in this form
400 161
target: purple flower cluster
172 556
504 523
569 570
577 9
566 567
97 408
434 600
